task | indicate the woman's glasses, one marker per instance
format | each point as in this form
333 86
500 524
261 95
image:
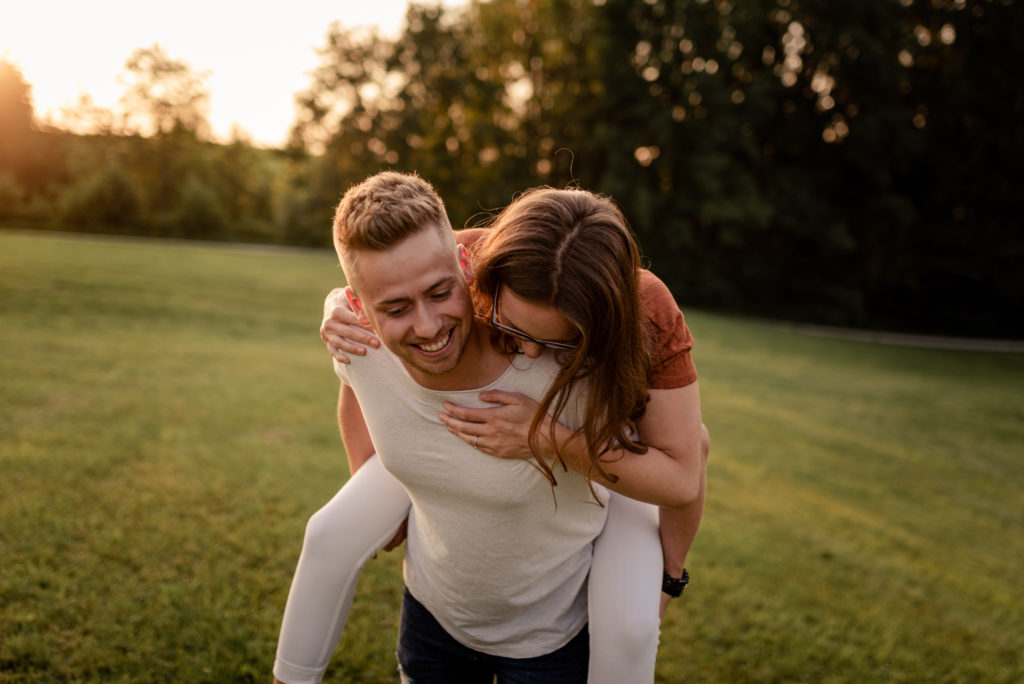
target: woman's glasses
549 344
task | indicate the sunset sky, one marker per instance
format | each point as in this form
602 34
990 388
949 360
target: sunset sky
257 51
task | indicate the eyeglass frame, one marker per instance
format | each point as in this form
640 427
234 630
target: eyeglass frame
515 332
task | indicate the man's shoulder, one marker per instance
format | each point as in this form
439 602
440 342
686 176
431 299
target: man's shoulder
375 363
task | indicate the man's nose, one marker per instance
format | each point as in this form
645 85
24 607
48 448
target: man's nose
427 322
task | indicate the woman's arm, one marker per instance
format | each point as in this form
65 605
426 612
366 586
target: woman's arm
669 474
678 526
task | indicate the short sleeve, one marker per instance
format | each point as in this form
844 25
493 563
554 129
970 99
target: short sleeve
341 370
671 340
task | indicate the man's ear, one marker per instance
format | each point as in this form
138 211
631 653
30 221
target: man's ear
357 306
466 265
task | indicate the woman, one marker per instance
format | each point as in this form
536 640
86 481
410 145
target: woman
558 272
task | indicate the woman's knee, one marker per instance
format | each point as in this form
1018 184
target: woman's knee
323 532
630 631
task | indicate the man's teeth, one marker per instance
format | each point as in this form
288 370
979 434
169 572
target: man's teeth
438 345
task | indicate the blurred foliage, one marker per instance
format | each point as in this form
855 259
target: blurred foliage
199 212
163 94
854 164
105 200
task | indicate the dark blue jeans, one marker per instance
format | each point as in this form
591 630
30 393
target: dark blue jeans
429 655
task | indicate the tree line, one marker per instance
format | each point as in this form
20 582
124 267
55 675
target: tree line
843 163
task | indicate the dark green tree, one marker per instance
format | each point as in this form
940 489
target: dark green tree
247 182
106 202
813 160
198 214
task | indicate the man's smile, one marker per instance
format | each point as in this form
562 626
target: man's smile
437 344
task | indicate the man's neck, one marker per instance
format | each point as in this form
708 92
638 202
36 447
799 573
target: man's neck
480 365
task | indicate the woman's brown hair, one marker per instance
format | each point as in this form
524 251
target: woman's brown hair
573 250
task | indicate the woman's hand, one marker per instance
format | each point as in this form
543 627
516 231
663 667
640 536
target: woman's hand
340 329
500 431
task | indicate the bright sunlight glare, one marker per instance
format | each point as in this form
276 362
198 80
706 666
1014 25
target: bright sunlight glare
257 52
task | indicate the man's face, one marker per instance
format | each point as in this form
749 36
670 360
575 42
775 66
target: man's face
415 296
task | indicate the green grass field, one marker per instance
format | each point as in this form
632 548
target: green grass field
167 427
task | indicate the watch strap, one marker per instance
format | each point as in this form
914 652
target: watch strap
673 586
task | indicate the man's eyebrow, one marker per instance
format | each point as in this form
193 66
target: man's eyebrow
443 282
447 280
391 302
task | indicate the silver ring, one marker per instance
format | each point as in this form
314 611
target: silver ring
476 441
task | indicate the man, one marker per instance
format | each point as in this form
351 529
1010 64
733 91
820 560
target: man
495 566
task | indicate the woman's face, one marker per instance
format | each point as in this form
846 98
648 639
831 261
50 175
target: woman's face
537 325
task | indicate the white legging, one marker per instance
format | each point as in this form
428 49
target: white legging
624 585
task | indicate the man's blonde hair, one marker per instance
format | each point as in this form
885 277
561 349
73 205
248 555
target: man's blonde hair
383 210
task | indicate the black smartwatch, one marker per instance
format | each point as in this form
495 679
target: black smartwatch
673 586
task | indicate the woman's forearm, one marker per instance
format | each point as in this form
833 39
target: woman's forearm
653 477
670 473
678 528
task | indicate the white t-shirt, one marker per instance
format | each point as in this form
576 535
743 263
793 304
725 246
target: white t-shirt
498 559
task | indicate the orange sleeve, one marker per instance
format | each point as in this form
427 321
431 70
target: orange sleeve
671 340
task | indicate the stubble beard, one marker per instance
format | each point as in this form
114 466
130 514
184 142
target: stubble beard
415 361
